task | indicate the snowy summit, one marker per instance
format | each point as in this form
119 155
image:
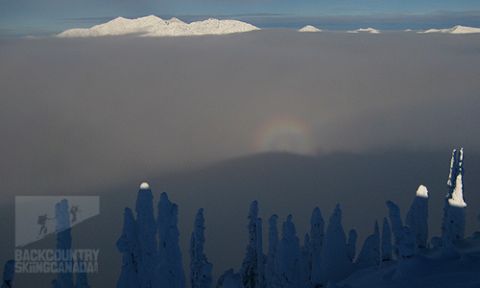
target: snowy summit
454 30
154 26
422 191
365 30
144 186
309 28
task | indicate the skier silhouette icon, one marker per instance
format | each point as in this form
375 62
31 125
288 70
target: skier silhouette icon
42 221
73 211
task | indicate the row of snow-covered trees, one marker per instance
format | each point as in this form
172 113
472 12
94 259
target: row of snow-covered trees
152 256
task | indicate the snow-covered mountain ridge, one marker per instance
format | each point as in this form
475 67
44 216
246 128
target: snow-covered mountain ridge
153 26
458 29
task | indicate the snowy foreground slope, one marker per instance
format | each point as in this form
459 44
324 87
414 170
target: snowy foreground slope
154 26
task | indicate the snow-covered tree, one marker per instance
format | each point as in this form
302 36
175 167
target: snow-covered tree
64 244
272 250
8 274
127 244
336 264
370 253
146 231
81 280
169 271
404 239
317 228
417 217
252 271
306 262
352 244
200 268
386 241
453 225
288 262
230 279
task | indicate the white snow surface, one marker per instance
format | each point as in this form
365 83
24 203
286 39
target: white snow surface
431 270
153 26
144 186
457 195
309 28
422 191
458 29
365 30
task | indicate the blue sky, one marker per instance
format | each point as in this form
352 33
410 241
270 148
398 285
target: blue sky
53 14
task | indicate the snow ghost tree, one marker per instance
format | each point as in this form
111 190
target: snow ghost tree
336 264
370 253
306 262
128 246
8 274
453 225
417 218
317 227
81 280
64 245
272 250
146 233
230 279
287 261
352 244
386 241
252 271
404 240
169 272
200 268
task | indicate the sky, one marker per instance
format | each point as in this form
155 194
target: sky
37 17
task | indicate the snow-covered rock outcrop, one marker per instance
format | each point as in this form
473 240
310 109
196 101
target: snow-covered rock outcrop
309 28
458 29
154 26
365 30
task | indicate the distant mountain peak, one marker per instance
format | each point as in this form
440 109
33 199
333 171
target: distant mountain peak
457 29
309 28
153 26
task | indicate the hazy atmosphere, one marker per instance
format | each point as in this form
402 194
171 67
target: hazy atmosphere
70 107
